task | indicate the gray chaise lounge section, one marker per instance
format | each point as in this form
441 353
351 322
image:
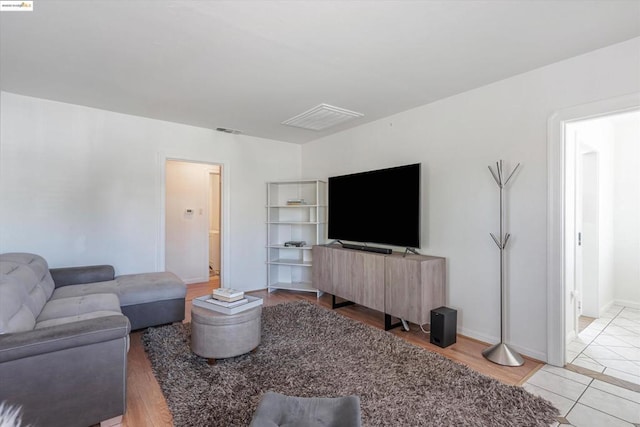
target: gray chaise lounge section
64 337
147 299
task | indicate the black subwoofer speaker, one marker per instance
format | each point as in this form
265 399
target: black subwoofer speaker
443 326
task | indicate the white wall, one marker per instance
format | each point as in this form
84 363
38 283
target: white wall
627 210
455 139
83 186
589 268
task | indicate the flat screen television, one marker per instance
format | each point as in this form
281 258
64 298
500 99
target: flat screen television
378 206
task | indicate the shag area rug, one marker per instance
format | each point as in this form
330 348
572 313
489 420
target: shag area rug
308 351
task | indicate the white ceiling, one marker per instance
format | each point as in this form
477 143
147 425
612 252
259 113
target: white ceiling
249 65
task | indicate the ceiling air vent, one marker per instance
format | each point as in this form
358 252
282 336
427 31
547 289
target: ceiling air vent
321 117
227 130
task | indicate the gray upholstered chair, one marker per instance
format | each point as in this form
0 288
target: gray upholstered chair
276 409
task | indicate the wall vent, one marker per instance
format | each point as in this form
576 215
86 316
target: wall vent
321 117
231 131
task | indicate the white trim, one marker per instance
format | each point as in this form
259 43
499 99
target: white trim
195 280
605 307
479 336
225 220
490 339
627 304
556 321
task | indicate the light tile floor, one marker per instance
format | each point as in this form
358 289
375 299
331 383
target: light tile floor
609 345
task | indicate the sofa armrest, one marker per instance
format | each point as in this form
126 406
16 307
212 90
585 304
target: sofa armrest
80 275
60 337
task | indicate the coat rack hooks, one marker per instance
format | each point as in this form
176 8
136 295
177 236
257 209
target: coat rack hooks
501 353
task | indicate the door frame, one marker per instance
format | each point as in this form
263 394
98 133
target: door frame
208 174
556 263
225 216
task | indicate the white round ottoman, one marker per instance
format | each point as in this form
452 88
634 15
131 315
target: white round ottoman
218 336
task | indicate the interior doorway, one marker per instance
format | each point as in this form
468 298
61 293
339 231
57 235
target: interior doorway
193 218
602 188
560 264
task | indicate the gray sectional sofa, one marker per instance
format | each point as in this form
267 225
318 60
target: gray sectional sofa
64 336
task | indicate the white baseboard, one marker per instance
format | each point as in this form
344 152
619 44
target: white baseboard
196 280
478 336
627 303
492 340
571 335
605 307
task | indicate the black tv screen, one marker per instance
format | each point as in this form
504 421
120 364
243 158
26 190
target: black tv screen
379 206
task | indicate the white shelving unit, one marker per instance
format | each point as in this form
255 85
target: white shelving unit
289 267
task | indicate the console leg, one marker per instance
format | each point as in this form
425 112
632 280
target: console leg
387 323
335 305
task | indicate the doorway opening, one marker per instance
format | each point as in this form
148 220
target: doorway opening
564 300
193 218
602 188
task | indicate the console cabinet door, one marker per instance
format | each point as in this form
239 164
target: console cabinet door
372 288
414 285
359 277
321 270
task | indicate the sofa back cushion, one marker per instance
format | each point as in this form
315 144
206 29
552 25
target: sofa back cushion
25 287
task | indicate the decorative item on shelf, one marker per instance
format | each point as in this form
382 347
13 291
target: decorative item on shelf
501 353
227 294
295 202
295 243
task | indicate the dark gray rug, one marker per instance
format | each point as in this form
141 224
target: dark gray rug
308 351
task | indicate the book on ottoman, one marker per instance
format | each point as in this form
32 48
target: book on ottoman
227 294
205 302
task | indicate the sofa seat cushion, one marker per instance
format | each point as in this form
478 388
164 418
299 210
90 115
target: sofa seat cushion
149 287
75 306
69 319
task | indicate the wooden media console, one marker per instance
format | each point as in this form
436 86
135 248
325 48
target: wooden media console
404 286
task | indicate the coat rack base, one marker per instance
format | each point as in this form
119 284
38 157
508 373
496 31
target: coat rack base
504 355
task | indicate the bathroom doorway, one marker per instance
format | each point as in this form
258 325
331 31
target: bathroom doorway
193 218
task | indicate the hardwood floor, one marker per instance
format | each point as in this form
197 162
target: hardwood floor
583 322
146 405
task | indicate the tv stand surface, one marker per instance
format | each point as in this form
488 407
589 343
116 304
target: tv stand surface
366 248
405 286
